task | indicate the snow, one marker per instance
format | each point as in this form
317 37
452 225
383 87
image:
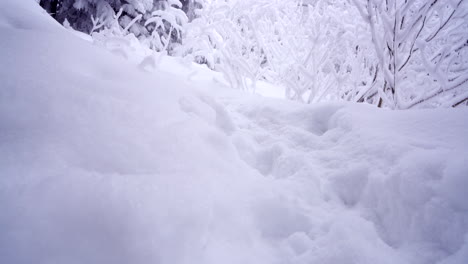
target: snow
103 162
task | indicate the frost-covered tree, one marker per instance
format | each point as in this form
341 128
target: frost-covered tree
313 49
422 50
394 53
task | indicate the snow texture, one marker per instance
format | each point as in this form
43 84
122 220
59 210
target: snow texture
101 162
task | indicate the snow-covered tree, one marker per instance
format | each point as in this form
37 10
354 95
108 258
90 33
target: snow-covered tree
421 47
394 53
83 14
314 50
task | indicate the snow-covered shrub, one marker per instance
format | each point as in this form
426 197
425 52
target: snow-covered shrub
154 22
422 50
217 37
201 40
191 7
314 50
397 54
167 24
79 12
328 55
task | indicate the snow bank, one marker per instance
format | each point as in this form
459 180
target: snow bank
358 184
101 162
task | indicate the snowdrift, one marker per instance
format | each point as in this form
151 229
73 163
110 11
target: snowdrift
101 162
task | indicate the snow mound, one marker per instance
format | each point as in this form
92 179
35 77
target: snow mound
26 15
101 162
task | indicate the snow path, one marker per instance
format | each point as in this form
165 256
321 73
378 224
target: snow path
103 163
340 189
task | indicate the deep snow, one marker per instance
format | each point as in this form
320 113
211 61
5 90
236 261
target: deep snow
103 162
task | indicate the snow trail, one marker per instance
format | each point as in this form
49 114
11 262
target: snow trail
336 174
348 183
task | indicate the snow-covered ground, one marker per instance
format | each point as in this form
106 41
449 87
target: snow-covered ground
103 162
